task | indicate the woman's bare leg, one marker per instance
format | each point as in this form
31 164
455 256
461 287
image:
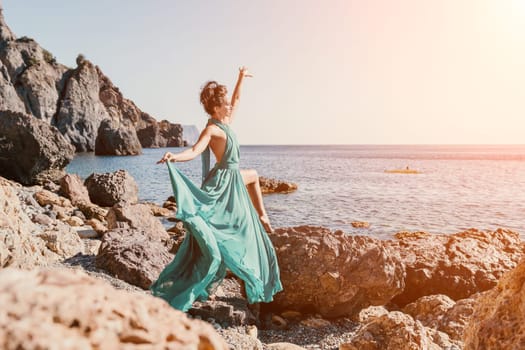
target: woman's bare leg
251 180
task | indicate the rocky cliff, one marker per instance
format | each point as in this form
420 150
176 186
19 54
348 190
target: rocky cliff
74 100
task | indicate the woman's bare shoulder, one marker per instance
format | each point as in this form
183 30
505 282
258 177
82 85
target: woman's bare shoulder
214 130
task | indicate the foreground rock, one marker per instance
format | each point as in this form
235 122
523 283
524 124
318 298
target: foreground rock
498 321
333 274
133 256
443 314
456 265
275 186
18 247
65 309
108 189
31 151
398 331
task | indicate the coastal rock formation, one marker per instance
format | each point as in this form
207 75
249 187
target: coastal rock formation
81 110
67 309
333 274
108 189
136 216
133 255
74 100
171 134
398 331
149 132
275 186
117 138
457 265
39 86
498 320
31 151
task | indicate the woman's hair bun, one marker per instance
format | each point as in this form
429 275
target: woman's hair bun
212 95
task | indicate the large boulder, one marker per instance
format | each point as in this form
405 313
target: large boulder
133 256
457 265
498 320
333 274
67 309
31 151
117 138
108 189
136 216
80 110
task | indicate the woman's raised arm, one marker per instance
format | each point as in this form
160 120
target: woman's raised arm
190 153
243 72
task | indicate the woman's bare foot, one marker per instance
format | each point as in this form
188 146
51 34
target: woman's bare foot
265 221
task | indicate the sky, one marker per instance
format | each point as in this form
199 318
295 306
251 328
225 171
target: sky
325 72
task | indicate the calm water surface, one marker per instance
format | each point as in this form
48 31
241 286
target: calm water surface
460 186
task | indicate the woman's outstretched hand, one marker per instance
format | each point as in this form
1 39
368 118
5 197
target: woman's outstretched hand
168 156
243 71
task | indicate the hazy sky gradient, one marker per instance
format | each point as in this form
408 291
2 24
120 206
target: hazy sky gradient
326 72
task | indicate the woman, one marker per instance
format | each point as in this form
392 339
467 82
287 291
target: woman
225 218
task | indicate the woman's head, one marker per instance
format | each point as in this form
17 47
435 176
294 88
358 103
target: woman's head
214 99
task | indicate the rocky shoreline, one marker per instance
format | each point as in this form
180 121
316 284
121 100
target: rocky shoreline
77 257
415 291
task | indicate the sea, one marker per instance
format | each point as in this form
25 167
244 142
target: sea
457 187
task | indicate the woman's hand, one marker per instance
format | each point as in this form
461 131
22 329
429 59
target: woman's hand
243 72
168 156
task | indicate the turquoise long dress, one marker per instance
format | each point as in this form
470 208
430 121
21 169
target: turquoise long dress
223 232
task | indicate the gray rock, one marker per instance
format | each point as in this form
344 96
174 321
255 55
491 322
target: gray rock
133 256
39 86
117 138
81 110
9 99
108 189
31 151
